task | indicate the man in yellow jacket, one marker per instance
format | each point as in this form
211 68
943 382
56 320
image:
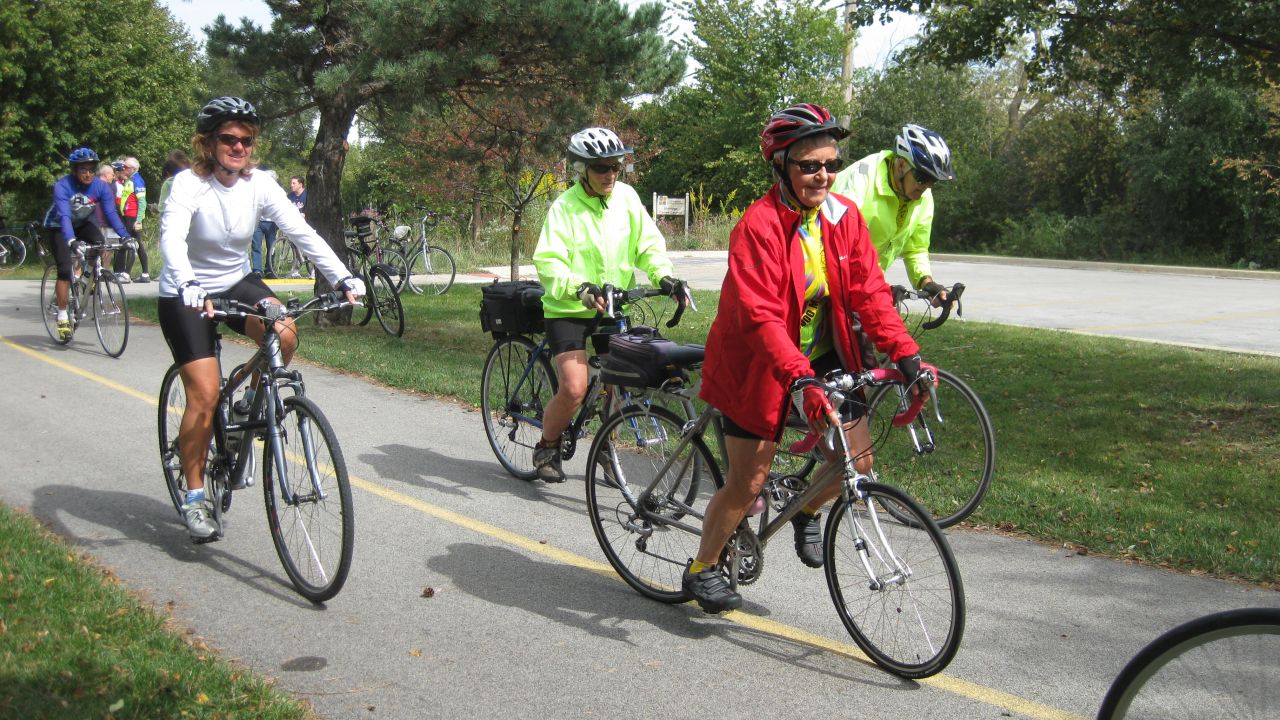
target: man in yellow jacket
596 233
892 188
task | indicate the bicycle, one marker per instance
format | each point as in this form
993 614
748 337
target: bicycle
383 299
895 585
432 265
284 254
94 286
367 234
1223 665
517 381
304 479
948 460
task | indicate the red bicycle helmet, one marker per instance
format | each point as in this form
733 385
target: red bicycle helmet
796 122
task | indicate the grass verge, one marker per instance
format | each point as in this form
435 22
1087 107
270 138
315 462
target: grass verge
74 644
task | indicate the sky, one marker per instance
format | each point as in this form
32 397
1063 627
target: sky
875 46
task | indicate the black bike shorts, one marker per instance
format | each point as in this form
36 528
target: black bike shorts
190 334
85 232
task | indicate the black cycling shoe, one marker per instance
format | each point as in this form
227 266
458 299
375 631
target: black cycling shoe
711 590
808 538
546 462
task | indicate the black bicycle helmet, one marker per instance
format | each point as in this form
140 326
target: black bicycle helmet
224 109
82 155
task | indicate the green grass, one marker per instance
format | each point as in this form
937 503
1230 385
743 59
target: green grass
75 644
1161 454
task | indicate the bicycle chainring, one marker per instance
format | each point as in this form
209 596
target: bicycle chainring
744 551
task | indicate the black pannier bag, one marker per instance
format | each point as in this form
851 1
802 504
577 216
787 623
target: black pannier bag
508 308
640 359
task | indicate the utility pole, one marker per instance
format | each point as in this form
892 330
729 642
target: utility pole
846 72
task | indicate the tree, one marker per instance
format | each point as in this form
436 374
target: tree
59 91
342 57
753 61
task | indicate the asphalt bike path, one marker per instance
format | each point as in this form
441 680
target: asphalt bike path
473 592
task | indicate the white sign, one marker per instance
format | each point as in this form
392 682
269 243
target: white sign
667 205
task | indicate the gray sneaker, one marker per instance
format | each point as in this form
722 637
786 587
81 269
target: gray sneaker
546 460
199 519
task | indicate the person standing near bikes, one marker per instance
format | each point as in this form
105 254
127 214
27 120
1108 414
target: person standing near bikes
77 199
800 266
596 233
205 229
893 189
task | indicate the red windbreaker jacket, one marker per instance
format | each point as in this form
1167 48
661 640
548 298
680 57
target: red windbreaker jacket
753 349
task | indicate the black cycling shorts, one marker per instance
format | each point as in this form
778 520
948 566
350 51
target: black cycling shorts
85 232
568 334
190 334
851 409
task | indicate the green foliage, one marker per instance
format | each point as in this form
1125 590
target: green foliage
100 73
755 59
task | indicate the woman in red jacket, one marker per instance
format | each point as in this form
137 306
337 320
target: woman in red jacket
801 265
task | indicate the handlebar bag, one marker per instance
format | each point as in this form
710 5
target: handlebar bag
508 308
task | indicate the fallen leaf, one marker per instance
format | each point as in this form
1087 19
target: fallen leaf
117 705
202 699
415 653
428 592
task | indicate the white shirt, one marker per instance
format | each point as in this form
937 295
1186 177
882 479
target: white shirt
206 228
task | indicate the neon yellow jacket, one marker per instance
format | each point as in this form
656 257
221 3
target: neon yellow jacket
866 183
596 240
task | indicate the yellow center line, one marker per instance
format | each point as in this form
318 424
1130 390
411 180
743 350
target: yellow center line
963 688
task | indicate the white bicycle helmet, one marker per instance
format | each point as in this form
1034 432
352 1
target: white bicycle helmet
594 144
926 151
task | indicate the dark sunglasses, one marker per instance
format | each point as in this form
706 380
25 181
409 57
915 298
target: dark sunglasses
811 167
605 168
922 177
230 140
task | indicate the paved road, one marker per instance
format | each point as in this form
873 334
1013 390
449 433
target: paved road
525 621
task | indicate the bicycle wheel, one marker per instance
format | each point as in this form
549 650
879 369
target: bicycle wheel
649 543
172 404
512 401
385 302
397 268
111 315
908 616
13 252
952 469
49 304
434 271
309 506
1223 665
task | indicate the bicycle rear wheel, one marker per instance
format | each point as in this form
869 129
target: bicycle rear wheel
649 543
908 615
435 271
1223 665
172 404
111 315
952 470
512 402
386 302
309 506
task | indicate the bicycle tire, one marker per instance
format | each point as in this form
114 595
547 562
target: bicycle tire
397 268
1185 672
111 315
911 627
951 479
385 303
49 304
649 548
171 406
436 268
510 435
13 252
313 529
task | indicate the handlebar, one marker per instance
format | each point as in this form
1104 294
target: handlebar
839 383
901 293
229 307
620 298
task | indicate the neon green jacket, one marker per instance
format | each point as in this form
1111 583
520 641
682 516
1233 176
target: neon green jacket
596 240
866 183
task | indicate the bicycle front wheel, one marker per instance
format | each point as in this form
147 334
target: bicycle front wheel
432 271
947 466
386 302
512 400
111 315
49 304
308 501
895 584
1223 665
13 252
649 540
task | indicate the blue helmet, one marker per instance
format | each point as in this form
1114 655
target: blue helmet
926 151
82 155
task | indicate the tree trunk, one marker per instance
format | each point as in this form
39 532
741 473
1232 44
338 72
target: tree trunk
324 189
516 217
475 220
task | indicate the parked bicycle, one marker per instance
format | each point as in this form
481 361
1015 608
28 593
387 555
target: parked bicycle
367 237
431 268
304 476
650 474
95 288
1223 665
383 300
285 261
17 244
518 382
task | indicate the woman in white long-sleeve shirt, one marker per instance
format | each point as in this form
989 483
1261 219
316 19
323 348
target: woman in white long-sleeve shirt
205 230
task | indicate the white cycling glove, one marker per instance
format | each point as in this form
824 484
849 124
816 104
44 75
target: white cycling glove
193 295
353 285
